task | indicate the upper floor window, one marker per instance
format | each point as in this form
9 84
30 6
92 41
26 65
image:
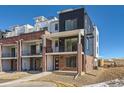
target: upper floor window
87 43
13 53
71 44
70 24
56 26
41 47
56 43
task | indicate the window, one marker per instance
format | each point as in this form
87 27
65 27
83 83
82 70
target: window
33 49
56 26
56 43
40 47
71 61
71 44
44 28
87 42
97 38
97 50
70 24
13 52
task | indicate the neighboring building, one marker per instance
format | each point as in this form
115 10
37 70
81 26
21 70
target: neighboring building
42 23
70 42
2 34
17 30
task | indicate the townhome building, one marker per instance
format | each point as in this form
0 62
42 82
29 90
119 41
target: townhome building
69 42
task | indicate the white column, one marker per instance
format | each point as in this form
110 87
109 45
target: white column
38 47
79 54
79 38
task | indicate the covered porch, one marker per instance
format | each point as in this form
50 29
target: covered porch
67 49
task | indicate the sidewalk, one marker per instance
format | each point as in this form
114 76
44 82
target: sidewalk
28 78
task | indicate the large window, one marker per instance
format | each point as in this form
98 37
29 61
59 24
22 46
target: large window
87 43
71 44
13 52
71 61
56 43
41 48
70 24
56 26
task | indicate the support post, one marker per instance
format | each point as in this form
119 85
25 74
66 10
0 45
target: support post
0 57
79 53
19 53
44 54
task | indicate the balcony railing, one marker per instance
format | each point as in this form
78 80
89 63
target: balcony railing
30 54
9 55
49 50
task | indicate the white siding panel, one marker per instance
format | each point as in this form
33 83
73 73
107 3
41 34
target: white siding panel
49 63
6 66
25 63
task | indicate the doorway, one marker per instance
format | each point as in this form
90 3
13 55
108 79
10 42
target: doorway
13 65
35 64
56 62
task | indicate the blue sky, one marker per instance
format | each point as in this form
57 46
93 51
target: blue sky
109 19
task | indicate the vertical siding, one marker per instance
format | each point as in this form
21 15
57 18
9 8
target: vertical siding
75 14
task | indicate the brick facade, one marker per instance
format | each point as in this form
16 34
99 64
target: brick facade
17 40
25 37
89 63
62 63
81 64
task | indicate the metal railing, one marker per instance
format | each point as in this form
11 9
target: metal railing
51 50
29 54
9 55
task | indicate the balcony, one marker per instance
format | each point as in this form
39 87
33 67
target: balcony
51 51
61 49
26 54
9 56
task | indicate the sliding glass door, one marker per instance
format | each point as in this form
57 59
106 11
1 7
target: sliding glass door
71 44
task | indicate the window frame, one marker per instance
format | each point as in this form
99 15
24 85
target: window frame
71 24
71 61
56 26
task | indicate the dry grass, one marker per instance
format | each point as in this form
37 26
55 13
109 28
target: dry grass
13 75
96 76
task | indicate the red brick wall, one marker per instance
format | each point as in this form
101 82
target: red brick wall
89 63
62 64
48 45
26 37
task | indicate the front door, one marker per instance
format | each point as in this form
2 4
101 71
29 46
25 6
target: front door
38 64
32 64
35 64
13 65
56 61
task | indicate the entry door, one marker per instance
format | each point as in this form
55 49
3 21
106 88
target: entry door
32 64
38 64
56 61
13 65
35 64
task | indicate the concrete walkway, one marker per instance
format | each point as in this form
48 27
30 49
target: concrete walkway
25 79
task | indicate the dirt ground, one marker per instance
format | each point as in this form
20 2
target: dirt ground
9 76
96 76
